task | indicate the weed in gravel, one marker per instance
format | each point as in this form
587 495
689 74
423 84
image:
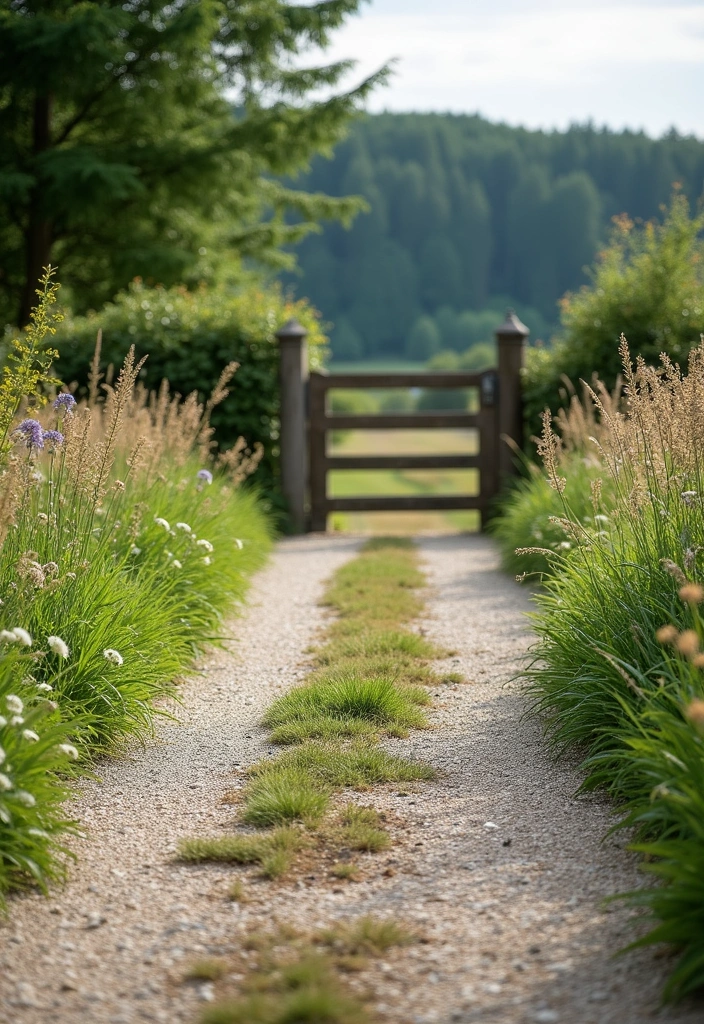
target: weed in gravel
236 892
376 700
345 869
284 793
205 970
360 830
378 642
377 589
369 936
243 849
360 764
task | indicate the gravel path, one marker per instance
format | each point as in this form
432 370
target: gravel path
497 863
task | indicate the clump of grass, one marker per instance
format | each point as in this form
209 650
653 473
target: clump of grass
282 794
378 588
377 701
322 728
360 830
345 869
360 764
206 970
273 851
378 642
236 892
369 936
305 991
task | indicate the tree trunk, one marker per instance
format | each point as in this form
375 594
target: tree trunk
38 240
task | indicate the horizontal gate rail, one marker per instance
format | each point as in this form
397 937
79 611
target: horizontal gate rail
399 420
405 503
449 379
402 462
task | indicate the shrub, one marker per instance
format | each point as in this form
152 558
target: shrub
189 337
648 284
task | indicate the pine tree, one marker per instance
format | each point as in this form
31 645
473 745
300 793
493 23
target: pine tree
146 137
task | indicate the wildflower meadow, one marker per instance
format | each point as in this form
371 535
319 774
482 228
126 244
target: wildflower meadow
124 537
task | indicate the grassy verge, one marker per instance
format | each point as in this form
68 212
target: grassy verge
365 684
619 664
123 542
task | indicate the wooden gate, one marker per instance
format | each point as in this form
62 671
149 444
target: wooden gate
306 421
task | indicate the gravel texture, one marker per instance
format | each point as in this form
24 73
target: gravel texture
497 864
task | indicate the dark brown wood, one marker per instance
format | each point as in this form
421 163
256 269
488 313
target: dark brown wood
38 232
510 338
293 370
402 421
401 462
453 379
404 503
317 396
497 394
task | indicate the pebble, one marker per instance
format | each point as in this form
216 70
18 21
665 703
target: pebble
26 996
546 1017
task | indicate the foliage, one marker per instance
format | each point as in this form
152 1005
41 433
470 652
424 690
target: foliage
648 284
617 669
190 336
149 139
123 541
467 217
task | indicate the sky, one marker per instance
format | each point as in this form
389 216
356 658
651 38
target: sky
635 64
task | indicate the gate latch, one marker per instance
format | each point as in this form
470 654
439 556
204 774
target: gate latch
490 383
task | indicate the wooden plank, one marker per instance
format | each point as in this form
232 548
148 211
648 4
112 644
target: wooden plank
402 421
402 462
405 503
316 442
445 379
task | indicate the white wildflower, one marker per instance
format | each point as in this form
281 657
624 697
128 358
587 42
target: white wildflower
44 687
5 783
30 735
207 560
8 636
14 704
57 645
134 550
176 564
113 656
601 518
183 526
203 543
69 750
3 721
17 720
169 554
162 522
564 546
25 798
22 636
238 543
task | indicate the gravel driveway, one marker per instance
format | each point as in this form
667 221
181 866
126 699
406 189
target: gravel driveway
497 864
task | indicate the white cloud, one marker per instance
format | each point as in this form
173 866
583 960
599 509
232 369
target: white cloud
540 63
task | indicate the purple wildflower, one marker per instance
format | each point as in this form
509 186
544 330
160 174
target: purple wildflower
64 401
53 437
206 475
32 432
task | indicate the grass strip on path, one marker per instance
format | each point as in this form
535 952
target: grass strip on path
364 686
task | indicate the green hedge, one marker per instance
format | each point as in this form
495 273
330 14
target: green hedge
190 337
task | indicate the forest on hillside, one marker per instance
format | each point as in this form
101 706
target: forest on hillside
466 217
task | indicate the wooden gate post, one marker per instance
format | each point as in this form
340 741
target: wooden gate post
293 373
510 340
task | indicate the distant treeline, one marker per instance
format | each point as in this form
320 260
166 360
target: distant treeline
468 216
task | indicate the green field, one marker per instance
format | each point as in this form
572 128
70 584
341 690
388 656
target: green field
353 482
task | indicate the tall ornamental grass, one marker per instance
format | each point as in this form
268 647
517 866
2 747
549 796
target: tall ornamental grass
124 539
618 667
